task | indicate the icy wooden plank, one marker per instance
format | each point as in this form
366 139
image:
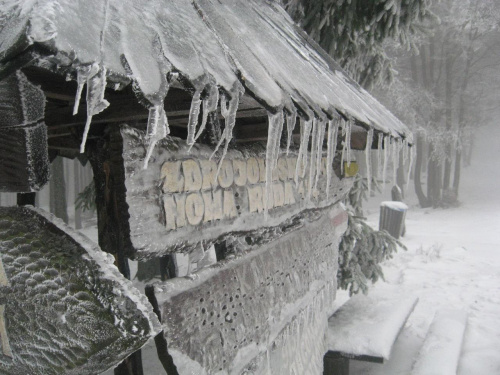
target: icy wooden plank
368 326
440 352
64 306
265 311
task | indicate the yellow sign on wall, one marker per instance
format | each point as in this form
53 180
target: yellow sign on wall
351 169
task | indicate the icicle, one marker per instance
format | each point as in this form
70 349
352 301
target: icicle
331 148
157 129
229 114
304 143
348 131
368 150
290 125
319 151
314 149
96 85
83 73
379 154
395 161
386 157
272 151
194 113
209 105
405 148
410 165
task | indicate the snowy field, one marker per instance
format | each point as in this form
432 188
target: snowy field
453 261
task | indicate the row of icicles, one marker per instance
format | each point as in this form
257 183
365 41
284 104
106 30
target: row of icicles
312 133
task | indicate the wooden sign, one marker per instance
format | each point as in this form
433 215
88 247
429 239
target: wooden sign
180 200
265 311
64 307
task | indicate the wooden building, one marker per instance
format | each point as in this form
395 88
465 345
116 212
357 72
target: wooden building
207 123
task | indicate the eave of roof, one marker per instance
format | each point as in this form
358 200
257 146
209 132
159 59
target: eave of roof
229 45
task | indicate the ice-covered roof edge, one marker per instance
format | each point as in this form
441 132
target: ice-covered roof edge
43 52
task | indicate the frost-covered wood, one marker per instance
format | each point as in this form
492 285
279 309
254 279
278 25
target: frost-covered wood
65 309
264 311
24 162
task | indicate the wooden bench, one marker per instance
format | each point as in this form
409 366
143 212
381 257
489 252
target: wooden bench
365 328
440 352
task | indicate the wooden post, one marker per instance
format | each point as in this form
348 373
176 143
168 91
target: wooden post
104 156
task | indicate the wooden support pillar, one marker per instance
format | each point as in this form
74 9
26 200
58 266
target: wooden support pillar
104 155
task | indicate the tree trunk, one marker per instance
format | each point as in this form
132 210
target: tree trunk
456 175
433 180
58 205
422 199
401 175
448 121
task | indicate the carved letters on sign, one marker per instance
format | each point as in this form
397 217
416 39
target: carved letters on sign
194 194
4 339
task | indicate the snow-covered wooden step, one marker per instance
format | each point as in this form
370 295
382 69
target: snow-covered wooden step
365 328
440 352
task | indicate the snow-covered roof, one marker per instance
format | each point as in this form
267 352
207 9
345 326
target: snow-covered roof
234 45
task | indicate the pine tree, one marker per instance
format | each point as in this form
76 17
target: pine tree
362 248
353 31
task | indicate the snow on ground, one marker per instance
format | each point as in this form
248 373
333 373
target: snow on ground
453 261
